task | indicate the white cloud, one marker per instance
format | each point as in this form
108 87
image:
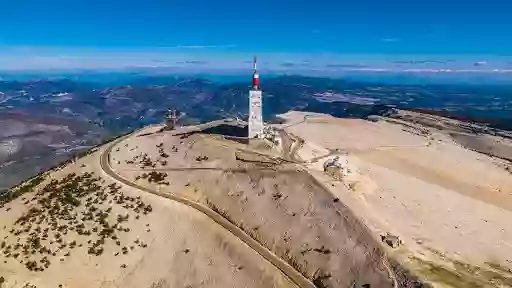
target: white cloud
389 40
457 70
203 46
369 69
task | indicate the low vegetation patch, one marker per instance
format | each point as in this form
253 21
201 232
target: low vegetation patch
68 214
28 186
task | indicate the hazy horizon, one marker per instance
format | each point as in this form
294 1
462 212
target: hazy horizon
323 38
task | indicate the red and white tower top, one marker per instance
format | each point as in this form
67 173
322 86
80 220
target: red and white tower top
255 76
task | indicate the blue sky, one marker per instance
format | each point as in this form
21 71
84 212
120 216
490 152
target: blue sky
288 34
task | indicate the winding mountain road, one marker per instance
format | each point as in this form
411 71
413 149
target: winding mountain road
283 266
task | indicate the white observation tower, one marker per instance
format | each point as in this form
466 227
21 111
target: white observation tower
255 106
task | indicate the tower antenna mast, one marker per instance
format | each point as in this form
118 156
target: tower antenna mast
255 76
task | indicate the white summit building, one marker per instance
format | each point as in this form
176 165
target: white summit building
255 107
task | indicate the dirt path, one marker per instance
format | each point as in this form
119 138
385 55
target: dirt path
287 270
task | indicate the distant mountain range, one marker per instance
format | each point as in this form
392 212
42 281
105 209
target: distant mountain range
44 121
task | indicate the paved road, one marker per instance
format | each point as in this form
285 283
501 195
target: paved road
287 270
229 170
287 143
291 144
